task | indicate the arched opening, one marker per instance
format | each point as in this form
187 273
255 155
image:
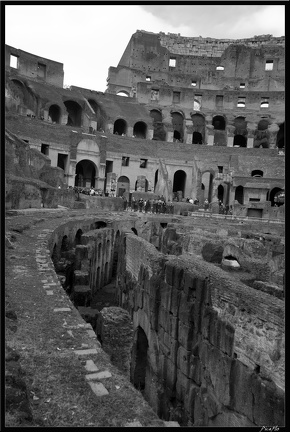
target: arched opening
78 237
100 114
141 184
257 173
120 127
239 194
220 191
98 225
123 93
54 113
177 123
134 231
26 97
179 182
74 111
280 142
261 134
198 125
123 185
64 244
219 123
139 359
240 141
159 133
277 197
140 130
196 138
85 174
207 183
155 178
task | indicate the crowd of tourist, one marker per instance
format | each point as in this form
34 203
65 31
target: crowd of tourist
153 206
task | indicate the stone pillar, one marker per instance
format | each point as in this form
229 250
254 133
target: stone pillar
230 141
169 136
188 132
189 139
110 128
210 139
250 142
273 131
149 134
71 173
129 131
63 120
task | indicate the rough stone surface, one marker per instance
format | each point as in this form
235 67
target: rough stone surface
212 252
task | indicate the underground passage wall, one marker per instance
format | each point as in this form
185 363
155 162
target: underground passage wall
199 370
205 352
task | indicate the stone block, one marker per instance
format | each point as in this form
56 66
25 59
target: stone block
212 252
89 315
98 375
268 402
182 385
82 295
90 366
210 318
165 295
81 277
175 300
81 253
189 282
183 360
189 399
178 278
170 374
98 388
186 335
195 369
169 273
241 399
186 308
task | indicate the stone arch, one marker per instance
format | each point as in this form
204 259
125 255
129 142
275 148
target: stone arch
88 150
239 194
100 114
123 93
86 172
139 359
26 96
54 113
120 127
179 182
98 225
178 126
198 125
207 182
219 124
257 173
280 142
273 196
74 111
123 185
159 132
140 129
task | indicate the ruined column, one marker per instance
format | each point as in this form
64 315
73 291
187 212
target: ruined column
273 131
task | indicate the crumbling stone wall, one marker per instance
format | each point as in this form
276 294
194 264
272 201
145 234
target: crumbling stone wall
205 364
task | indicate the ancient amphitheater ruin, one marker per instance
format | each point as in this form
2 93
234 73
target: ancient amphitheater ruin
153 316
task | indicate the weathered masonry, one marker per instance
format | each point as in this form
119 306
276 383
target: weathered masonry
207 349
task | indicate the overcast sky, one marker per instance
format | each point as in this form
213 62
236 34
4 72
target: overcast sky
88 39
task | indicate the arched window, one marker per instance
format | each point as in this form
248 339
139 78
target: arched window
123 93
120 127
123 185
54 113
179 182
159 132
239 194
85 174
219 123
196 138
257 173
140 130
74 111
177 123
139 359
